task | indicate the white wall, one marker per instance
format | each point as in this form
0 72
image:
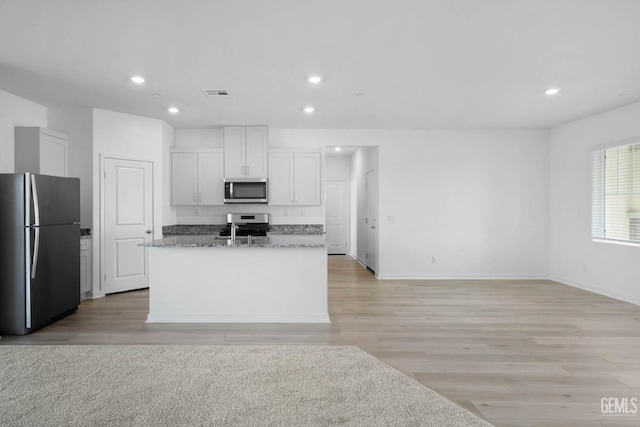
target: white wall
77 124
128 136
338 167
574 259
16 111
168 211
477 200
199 138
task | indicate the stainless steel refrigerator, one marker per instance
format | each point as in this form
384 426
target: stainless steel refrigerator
39 250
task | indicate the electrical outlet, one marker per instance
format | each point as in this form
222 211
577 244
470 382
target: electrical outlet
391 218
286 212
584 267
304 212
198 212
433 260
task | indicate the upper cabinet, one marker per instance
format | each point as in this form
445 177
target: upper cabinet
197 178
307 179
41 151
295 178
245 151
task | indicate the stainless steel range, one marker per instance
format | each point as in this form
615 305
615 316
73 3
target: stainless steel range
246 224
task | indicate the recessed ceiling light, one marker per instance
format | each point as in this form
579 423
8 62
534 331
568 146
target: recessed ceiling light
309 110
173 110
137 79
360 94
552 91
337 149
156 95
315 79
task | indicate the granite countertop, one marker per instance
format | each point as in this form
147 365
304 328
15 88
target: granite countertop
215 229
212 241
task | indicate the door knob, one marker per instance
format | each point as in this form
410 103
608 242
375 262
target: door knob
148 231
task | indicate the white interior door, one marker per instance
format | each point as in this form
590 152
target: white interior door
371 257
128 209
336 216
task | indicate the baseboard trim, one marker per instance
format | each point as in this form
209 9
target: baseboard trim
460 277
94 295
238 318
354 256
597 290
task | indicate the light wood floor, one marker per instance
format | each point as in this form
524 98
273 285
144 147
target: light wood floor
517 353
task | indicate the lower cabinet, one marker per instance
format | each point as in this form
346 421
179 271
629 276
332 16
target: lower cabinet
85 267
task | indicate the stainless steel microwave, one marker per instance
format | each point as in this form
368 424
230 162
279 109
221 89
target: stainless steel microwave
245 190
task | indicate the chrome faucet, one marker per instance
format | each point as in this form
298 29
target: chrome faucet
234 227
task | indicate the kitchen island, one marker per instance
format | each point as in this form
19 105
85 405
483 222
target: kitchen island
209 279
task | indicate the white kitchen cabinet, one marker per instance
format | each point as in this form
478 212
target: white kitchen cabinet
86 278
245 151
295 178
281 178
197 178
41 151
307 182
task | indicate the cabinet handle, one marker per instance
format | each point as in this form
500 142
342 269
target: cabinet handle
195 197
248 170
243 169
295 197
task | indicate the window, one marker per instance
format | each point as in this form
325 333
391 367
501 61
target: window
616 193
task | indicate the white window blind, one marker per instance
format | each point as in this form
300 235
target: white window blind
616 193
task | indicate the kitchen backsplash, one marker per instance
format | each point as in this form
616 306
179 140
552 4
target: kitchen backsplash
172 230
277 214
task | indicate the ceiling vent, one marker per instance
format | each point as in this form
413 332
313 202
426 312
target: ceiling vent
215 93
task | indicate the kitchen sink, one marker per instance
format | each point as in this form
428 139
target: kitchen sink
239 240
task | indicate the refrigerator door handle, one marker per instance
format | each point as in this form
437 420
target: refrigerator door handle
36 207
36 249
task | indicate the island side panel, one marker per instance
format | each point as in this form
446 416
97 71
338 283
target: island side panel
238 285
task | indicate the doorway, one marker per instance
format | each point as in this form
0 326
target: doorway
336 216
357 166
127 221
371 220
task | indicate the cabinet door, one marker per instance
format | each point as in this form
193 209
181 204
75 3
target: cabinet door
86 279
256 151
307 180
234 152
85 272
184 178
281 179
53 155
211 178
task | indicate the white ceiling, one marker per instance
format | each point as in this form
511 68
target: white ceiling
421 64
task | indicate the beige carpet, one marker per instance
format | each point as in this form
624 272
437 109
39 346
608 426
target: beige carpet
213 386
